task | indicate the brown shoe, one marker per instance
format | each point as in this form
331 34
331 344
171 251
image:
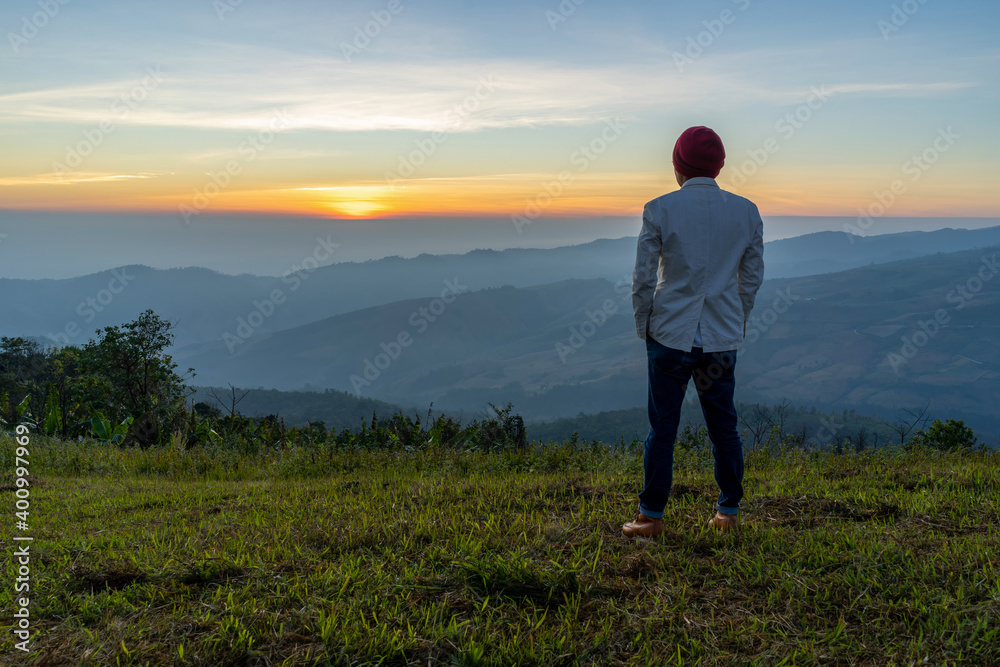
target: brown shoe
724 522
643 526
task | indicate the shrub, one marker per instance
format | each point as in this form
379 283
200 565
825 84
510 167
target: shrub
950 436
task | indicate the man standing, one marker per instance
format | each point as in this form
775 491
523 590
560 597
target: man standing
698 267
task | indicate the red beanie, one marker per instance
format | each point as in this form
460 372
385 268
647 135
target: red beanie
699 152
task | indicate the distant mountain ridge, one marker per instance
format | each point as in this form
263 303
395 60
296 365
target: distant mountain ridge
207 305
829 252
835 341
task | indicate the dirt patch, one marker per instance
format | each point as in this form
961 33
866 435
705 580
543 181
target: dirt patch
94 581
520 580
841 474
788 510
32 481
575 490
704 548
639 565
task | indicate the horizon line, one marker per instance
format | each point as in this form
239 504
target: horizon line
234 213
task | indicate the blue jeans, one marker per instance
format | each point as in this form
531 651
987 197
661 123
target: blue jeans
669 373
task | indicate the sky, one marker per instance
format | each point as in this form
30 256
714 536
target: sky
518 110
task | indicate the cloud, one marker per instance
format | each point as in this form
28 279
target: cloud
241 89
902 89
73 177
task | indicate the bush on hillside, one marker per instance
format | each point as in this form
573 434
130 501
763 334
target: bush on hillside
949 436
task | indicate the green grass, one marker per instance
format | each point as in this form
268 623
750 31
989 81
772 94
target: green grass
303 557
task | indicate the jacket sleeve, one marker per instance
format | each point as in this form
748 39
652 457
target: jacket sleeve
644 276
751 270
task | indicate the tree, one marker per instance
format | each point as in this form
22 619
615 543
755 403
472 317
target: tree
234 401
780 414
203 409
22 374
66 388
905 425
860 441
757 419
135 377
949 436
763 421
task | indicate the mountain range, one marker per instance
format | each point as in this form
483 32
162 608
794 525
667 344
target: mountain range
878 338
876 324
206 305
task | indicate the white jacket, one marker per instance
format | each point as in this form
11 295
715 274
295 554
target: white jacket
699 261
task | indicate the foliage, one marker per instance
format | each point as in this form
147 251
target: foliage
502 431
136 376
22 378
948 436
105 432
123 376
692 439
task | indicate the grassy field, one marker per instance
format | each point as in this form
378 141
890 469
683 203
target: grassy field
324 557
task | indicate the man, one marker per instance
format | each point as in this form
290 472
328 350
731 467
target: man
698 267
